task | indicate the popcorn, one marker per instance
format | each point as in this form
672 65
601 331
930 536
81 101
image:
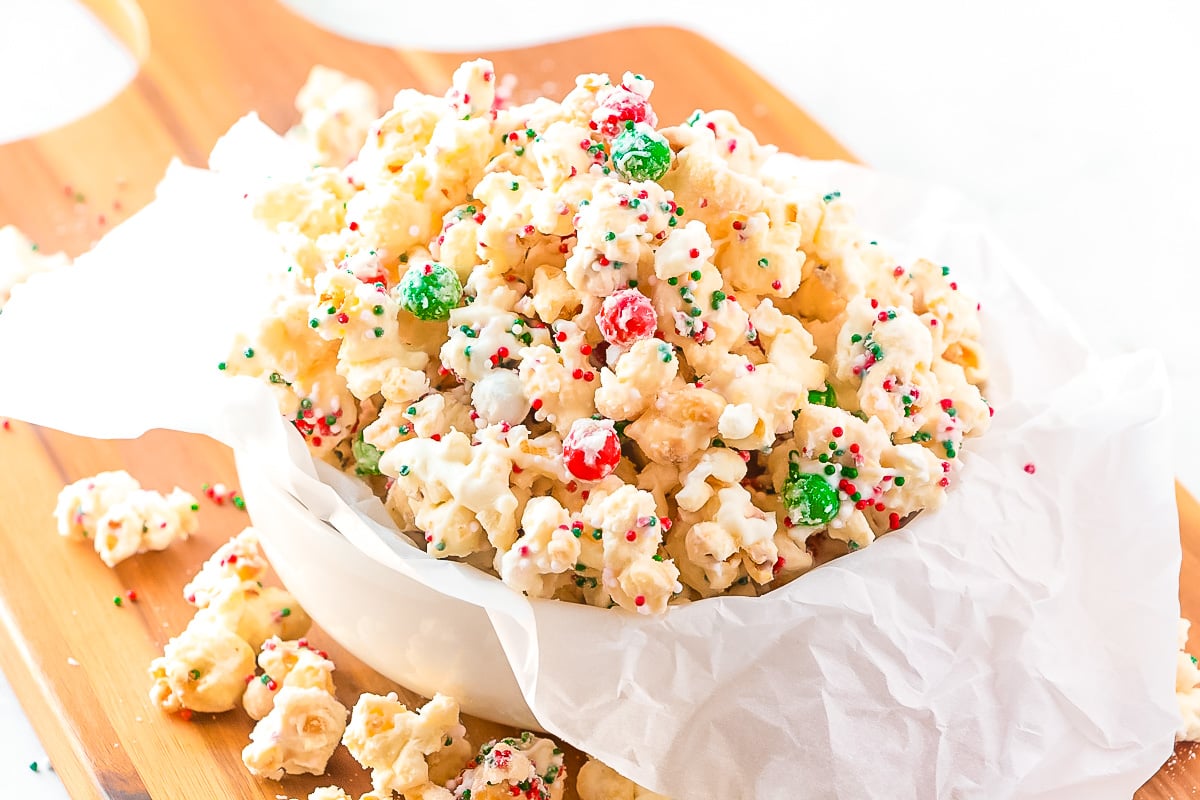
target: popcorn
203 669
336 112
406 749
598 781
515 318
298 736
82 503
209 665
284 664
121 518
527 765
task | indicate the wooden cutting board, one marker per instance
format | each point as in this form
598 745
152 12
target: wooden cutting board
78 661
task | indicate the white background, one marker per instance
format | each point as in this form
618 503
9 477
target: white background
1074 124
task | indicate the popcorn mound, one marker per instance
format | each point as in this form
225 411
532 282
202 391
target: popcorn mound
622 365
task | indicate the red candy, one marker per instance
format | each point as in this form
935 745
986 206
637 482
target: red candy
620 105
625 317
591 449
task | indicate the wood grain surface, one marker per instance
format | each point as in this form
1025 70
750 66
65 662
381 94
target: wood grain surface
76 660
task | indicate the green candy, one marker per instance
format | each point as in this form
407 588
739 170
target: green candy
809 498
429 291
366 457
639 153
825 398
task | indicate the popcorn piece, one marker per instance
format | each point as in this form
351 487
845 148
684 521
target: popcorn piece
1187 690
598 781
144 521
239 559
20 259
632 533
257 613
528 765
397 745
336 112
202 669
284 664
546 548
82 504
298 736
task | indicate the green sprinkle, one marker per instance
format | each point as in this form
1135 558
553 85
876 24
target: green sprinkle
514 186
762 262
855 338
696 275
631 283
440 546
597 534
194 674
378 310
239 503
608 237
823 398
221 366
657 557
249 352
695 311
519 150
117 601
404 470
306 404
195 506
856 496
312 323
830 469
33 766
898 480
950 412
853 545
449 741
945 271
849 472
679 211
829 198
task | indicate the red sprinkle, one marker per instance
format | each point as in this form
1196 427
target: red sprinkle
1031 468
838 431
185 714
893 521
353 226
898 271
631 536
131 596
944 482
694 253
639 601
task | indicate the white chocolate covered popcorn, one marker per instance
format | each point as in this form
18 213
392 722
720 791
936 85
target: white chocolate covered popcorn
82 503
208 666
526 765
548 332
121 518
286 663
239 559
205 668
403 748
1187 690
598 781
298 736
336 112
142 522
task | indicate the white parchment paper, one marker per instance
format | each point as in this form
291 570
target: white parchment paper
1018 643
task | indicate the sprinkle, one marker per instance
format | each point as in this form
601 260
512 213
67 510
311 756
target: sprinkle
131 596
117 601
829 198
185 714
1030 468
631 536
639 601
837 431
899 480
